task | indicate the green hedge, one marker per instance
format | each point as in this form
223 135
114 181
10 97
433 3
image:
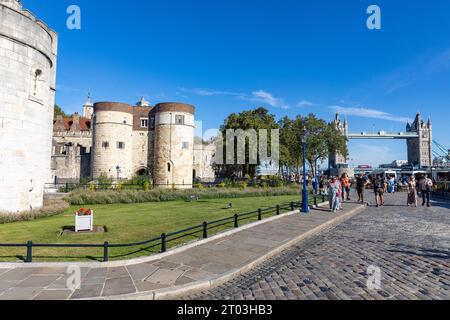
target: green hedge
86 197
51 208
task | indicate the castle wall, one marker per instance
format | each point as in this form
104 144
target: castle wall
174 146
28 50
113 123
203 162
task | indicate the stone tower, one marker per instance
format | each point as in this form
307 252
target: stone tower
420 151
335 158
28 54
112 140
88 108
173 145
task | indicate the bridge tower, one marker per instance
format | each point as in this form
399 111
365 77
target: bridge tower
336 159
420 149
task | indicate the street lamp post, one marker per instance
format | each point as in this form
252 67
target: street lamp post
305 193
118 172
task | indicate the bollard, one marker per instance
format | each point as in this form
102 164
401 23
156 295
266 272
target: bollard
29 252
259 214
205 230
292 206
278 209
315 201
236 221
163 243
105 251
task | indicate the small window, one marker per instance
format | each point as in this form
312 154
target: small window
185 145
105 145
120 145
169 167
179 119
144 123
152 123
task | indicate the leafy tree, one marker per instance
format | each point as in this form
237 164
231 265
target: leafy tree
256 119
59 112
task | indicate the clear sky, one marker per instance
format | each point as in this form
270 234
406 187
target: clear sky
291 56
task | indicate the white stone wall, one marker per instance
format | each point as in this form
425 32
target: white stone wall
110 127
26 107
140 150
168 149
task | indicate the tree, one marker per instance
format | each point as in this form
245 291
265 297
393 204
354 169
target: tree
323 139
255 119
59 112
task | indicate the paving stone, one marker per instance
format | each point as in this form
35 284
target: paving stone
118 286
141 271
88 291
165 277
20 294
117 272
53 295
40 281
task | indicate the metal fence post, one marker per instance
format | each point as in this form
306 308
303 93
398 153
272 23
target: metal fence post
259 214
205 230
29 252
105 251
236 221
315 200
292 206
278 209
323 198
163 243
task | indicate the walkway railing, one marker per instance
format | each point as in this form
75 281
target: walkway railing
166 238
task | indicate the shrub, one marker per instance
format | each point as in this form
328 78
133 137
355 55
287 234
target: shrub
50 208
147 185
199 186
243 185
82 197
221 185
104 182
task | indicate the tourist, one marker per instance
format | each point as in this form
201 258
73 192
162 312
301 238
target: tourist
334 194
361 183
391 185
379 186
345 185
426 186
412 192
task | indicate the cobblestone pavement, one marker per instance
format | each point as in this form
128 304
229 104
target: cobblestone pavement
410 246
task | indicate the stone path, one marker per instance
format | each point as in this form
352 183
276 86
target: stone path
199 264
411 248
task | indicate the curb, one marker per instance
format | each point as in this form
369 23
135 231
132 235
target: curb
174 292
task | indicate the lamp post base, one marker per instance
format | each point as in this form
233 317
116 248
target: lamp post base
305 201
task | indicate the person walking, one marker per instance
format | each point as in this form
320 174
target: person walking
426 186
361 183
412 192
391 185
345 184
379 186
334 191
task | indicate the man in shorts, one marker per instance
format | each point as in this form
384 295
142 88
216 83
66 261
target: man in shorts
361 183
379 186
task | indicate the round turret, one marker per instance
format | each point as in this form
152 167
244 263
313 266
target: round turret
28 50
113 132
173 145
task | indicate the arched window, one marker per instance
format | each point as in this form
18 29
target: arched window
37 78
169 167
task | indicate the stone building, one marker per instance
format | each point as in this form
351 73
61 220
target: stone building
122 141
28 57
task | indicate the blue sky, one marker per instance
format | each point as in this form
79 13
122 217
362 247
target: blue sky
291 56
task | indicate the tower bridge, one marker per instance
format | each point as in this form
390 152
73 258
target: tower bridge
418 136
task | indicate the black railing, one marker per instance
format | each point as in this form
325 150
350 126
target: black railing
166 238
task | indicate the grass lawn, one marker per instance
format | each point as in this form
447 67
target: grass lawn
125 223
